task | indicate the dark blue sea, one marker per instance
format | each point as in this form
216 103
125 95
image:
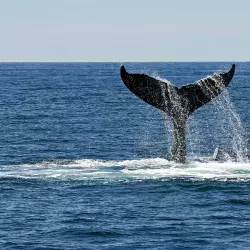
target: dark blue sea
83 161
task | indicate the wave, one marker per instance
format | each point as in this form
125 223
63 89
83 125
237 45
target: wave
128 170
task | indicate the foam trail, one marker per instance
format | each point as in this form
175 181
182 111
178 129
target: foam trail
92 170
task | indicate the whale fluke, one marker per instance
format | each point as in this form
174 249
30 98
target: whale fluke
178 103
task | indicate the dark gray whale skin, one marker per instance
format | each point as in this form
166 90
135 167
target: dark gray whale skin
177 103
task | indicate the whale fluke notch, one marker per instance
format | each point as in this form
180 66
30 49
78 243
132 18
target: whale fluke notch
178 103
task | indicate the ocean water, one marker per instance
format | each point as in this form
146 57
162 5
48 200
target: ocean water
83 161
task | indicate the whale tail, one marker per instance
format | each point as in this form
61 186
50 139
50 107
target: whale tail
178 103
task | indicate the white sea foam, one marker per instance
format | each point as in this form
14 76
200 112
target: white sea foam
128 170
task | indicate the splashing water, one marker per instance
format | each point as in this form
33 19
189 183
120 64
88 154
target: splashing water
233 126
225 126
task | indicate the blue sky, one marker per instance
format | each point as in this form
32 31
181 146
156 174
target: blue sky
132 30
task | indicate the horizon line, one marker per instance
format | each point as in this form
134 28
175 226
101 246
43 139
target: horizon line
161 61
